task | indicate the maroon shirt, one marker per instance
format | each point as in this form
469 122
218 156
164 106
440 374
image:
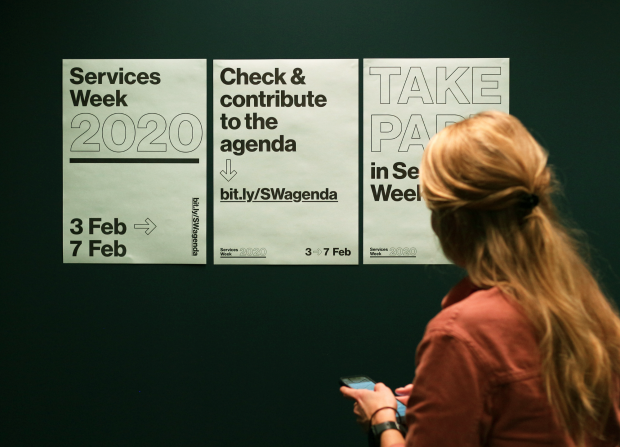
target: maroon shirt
478 379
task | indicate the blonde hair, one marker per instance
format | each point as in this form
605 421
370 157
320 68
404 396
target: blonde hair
487 182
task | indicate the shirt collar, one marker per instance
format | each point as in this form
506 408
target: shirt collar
459 292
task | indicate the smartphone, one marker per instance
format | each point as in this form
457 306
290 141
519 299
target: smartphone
366 383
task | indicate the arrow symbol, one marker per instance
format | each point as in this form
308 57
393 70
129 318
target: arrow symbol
149 226
318 251
228 174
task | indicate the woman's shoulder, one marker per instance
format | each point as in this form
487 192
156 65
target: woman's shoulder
480 310
495 326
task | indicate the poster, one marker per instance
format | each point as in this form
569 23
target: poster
285 161
407 101
134 161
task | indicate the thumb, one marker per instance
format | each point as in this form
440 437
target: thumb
349 393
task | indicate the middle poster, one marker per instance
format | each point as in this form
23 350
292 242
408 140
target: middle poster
285 161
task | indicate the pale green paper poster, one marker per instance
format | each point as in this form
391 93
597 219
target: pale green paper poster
134 161
285 161
407 101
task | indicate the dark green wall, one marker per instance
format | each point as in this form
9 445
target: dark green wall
165 355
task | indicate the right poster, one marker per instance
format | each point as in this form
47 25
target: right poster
407 101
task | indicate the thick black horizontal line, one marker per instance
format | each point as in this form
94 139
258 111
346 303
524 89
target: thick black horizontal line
134 160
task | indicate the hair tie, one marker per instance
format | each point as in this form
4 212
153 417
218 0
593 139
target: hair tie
528 201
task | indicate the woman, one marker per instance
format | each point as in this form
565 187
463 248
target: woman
526 349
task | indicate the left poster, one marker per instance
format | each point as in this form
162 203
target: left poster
134 161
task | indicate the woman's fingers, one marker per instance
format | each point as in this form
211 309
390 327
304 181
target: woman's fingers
405 390
350 393
368 402
357 410
403 393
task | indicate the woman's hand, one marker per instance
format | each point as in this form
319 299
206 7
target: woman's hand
403 393
367 402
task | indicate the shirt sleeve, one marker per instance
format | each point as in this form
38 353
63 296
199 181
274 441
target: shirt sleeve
446 407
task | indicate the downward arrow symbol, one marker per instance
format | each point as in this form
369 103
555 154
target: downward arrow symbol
149 226
228 174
